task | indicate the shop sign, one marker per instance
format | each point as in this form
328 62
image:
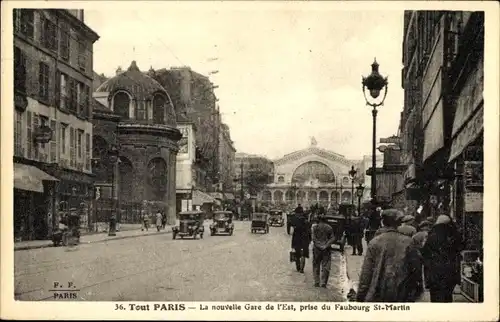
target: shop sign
20 102
473 202
470 132
470 97
474 175
43 134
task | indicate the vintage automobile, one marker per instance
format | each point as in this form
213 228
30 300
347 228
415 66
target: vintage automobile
190 224
339 221
260 222
223 223
276 218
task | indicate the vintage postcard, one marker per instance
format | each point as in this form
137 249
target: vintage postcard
264 160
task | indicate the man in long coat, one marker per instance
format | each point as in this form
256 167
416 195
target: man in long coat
390 265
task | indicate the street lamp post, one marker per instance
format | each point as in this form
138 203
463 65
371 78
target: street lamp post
359 192
113 155
374 83
352 175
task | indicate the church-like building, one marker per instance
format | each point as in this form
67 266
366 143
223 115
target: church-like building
312 175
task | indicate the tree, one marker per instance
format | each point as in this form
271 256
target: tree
256 179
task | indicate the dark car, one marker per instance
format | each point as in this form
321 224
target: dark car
222 223
260 222
190 224
276 218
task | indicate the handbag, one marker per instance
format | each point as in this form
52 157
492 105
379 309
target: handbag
293 256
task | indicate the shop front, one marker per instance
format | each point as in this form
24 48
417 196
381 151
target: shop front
34 200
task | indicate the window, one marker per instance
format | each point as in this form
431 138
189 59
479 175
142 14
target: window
49 34
64 93
18 127
29 135
19 70
73 94
79 143
24 22
72 152
121 104
62 138
87 151
83 94
36 124
64 46
82 55
53 142
159 103
141 111
43 81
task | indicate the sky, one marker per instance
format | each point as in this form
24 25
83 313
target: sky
286 73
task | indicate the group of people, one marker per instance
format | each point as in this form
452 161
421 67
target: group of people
322 237
404 257
160 219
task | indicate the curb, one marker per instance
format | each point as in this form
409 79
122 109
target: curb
91 242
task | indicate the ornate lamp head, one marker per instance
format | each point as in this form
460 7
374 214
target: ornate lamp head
374 83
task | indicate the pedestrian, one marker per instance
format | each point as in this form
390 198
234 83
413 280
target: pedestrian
373 224
159 218
163 220
356 231
441 253
419 240
145 221
389 265
323 238
406 227
299 209
301 239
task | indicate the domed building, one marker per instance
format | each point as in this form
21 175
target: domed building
313 176
135 144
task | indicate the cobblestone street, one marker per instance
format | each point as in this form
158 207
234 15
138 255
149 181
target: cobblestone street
242 267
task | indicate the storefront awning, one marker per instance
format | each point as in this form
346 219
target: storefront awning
217 195
467 135
28 177
199 198
229 196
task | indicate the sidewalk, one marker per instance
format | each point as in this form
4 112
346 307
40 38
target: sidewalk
354 264
126 231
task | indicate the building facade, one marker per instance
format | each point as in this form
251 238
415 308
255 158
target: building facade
52 120
136 116
195 102
442 121
227 153
311 176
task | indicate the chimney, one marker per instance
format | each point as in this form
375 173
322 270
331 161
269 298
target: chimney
119 71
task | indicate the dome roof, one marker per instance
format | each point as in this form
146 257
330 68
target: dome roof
138 84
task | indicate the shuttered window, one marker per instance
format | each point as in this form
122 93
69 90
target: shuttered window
62 139
87 151
72 148
29 135
18 137
65 43
36 124
19 70
53 142
43 81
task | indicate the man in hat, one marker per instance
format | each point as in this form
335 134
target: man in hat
406 227
419 240
389 266
323 237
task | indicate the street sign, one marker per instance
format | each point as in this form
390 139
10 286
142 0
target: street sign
391 140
